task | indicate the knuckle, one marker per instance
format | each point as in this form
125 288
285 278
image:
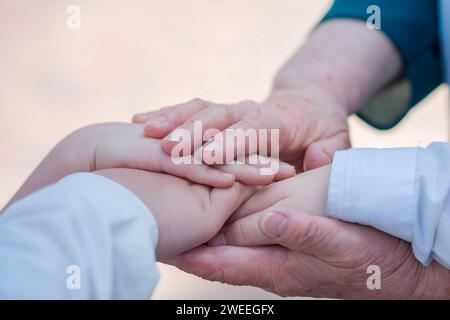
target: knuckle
216 109
306 233
164 110
202 115
229 113
240 233
218 274
250 123
248 103
256 108
198 102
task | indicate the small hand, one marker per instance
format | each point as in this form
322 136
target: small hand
122 145
306 192
187 214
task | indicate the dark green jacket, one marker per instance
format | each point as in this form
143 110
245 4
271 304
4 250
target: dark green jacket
412 26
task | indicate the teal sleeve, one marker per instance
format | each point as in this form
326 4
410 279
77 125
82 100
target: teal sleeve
412 26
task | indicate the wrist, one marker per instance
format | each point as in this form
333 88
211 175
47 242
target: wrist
308 92
334 59
143 185
314 190
75 153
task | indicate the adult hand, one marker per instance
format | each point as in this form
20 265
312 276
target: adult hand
317 257
187 214
312 125
328 78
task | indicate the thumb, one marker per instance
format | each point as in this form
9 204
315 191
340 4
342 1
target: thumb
321 153
292 229
300 231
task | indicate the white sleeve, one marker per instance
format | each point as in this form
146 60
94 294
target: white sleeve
402 191
85 237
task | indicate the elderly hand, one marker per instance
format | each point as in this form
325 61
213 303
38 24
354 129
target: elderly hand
317 257
327 79
312 125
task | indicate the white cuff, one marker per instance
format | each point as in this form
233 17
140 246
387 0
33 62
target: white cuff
375 187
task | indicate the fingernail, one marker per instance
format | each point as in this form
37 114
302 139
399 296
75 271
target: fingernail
157 121
274 224
218 240
139 117
153 123
286 166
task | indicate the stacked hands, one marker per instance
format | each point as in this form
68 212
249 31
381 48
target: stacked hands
229 223
225 220
275 234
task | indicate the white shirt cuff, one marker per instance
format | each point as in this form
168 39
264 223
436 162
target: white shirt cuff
375 187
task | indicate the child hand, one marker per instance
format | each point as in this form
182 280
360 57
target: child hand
187 214
306 192
123 145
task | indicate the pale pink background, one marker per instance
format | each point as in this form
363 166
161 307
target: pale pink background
133 56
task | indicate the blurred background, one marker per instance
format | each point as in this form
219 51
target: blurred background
132 56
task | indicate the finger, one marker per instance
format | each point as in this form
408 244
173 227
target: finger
266 197
213 119
161 124
198 173
292 229
286 171
143 117
147 155
321 153
247 231
251 135
246 174
250 172
233 197
140 118
233 265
